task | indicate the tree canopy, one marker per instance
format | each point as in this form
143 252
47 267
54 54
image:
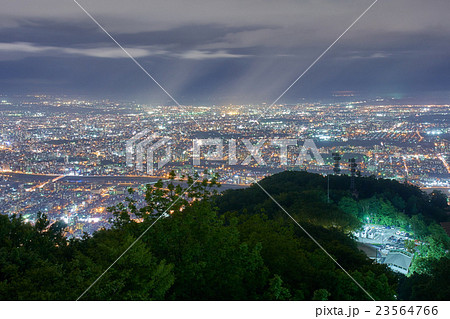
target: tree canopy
189 243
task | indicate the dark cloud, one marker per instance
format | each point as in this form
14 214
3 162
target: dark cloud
224 51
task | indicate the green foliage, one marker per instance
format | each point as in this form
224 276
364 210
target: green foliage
239 246
37 263
276 291
321 295
438 199
304 267
350 206
211 263
163 198
136 276
305 206
431 284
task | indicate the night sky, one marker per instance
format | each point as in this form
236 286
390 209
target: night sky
233 51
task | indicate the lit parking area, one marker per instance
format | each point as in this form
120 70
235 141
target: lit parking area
385 238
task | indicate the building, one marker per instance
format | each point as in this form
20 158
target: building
398 260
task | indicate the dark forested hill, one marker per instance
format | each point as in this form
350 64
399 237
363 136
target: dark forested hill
406 198
236 246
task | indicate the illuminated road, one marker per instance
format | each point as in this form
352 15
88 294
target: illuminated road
444 162
45 179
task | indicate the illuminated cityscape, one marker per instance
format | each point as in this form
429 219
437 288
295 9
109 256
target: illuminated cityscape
57 153
211 151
